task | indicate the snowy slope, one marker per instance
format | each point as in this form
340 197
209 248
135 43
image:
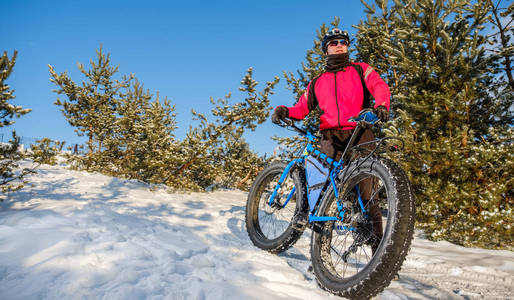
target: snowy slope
77 235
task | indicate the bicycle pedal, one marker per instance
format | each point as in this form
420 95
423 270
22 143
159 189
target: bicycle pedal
316 227
300 220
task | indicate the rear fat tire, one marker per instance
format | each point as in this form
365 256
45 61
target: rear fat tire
395 244
255 197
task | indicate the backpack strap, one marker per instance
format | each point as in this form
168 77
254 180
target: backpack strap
312 100
367 95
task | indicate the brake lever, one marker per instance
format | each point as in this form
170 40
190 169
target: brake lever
285 123
363 120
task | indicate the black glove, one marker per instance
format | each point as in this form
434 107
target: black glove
382 113
279 114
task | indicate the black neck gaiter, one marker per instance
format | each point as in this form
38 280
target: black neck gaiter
337 62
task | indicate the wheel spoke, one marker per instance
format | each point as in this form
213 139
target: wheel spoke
275 220
340 256
351 250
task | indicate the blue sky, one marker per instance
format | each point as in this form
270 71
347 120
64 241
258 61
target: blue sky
188 51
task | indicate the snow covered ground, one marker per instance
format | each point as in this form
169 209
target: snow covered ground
76 235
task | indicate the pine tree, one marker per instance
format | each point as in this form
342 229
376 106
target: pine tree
161 145
203 163
433 55
91 106
11 177
143 146
236 165
130 134
45 151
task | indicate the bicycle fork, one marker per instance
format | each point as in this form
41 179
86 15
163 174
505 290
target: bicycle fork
271 200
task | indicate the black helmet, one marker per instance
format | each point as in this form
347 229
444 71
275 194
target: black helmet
334 34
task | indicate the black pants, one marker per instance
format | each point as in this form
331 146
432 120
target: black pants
333 143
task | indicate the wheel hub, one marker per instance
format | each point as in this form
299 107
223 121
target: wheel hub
363 229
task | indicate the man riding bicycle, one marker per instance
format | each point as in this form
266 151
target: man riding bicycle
341 92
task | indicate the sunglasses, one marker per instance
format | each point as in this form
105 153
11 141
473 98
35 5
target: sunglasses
336 42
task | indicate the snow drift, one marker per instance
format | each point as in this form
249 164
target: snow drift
81 235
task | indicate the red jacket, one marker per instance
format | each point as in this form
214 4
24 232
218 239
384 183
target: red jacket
340 96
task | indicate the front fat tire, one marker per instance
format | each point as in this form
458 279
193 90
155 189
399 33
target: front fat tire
290 235
385 264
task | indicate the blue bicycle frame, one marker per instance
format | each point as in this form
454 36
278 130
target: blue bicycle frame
365 117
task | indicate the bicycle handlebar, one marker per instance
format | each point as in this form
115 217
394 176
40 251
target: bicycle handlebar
364 118
300 130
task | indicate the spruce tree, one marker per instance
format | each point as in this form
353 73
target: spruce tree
11 177
433 54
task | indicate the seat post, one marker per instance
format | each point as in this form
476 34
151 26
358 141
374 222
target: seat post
352 140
